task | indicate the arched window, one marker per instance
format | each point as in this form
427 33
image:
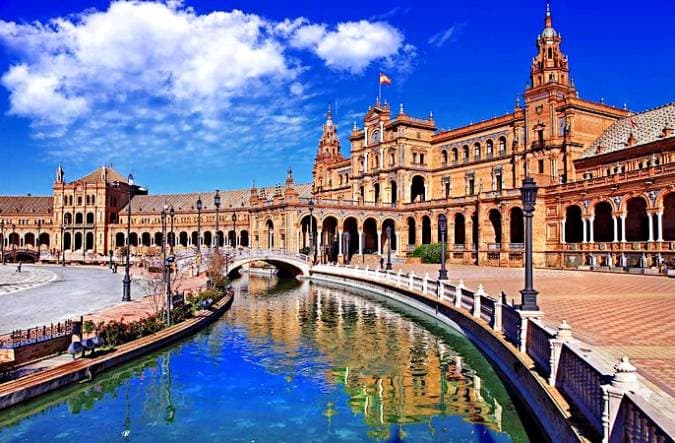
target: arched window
417 189
502 145
444 157
465 153
455 155
489 149
476 151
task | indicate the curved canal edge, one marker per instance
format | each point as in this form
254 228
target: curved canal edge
35 385
569 395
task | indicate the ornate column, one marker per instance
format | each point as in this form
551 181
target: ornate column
585 229
590 229
623 228
651 227
379 243
339 236
616 228
360 242
562 230
659 218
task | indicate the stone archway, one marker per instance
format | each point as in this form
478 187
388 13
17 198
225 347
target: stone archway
669 217
637 220
574 225
603 224
426 230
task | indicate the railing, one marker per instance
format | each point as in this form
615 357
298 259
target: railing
494 246
516 246
511 321
580 379
582 384
539 345
23 337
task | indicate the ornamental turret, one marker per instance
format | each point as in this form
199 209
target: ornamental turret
550 65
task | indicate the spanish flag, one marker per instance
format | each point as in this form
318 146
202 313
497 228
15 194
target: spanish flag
384 80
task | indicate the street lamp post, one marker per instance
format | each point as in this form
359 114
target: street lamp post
310 205
388 230
2 243
199 226
234 224
126 282
63 245
14 242
443 225
37 240
528 193
172 237
216 201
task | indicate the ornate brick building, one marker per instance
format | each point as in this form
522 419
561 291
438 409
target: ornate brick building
607 198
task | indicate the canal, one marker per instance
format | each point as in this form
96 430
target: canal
290 362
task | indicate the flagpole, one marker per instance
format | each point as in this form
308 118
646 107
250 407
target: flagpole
379 93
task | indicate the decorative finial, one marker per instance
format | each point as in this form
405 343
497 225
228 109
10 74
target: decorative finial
400 109
289 175
549 19
602 100
330 112
517 102
431 115
355 128
625 106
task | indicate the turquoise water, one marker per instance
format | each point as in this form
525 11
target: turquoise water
289 362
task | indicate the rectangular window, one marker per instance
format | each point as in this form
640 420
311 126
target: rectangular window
540 166
472 189
421 159
414 158
447 189
498 181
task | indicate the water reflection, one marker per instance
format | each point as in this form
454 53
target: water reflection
394 371
290 362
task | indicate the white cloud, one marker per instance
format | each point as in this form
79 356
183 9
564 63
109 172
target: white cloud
146 79
442 37
352 46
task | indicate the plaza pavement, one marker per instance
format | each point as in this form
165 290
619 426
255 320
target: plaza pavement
617 314
44 294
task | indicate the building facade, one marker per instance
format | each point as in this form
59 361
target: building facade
606 199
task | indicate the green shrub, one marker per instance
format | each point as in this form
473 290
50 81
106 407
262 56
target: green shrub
429 253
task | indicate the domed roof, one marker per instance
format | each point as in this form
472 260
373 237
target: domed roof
549 32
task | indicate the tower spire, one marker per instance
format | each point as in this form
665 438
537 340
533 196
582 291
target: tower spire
548 22
330 113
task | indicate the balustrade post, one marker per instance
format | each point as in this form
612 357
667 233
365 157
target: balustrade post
425 283
398 281
458 294
564 333
411 276
497 315
476 300
625 380
441 289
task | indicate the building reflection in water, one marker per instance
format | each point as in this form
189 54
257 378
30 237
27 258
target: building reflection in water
394 370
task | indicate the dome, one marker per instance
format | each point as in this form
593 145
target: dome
549 32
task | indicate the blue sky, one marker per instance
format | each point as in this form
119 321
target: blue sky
197 95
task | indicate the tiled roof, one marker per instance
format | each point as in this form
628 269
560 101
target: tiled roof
25 205
645 127
95 176
238 198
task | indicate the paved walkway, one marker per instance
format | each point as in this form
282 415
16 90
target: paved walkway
44 294
617 314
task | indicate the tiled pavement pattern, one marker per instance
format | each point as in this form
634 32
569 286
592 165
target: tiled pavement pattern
617 314
13 281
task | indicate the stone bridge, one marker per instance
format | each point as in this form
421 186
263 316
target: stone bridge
286 262
20 255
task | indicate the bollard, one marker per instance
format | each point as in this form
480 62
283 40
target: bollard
476 300
458 294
